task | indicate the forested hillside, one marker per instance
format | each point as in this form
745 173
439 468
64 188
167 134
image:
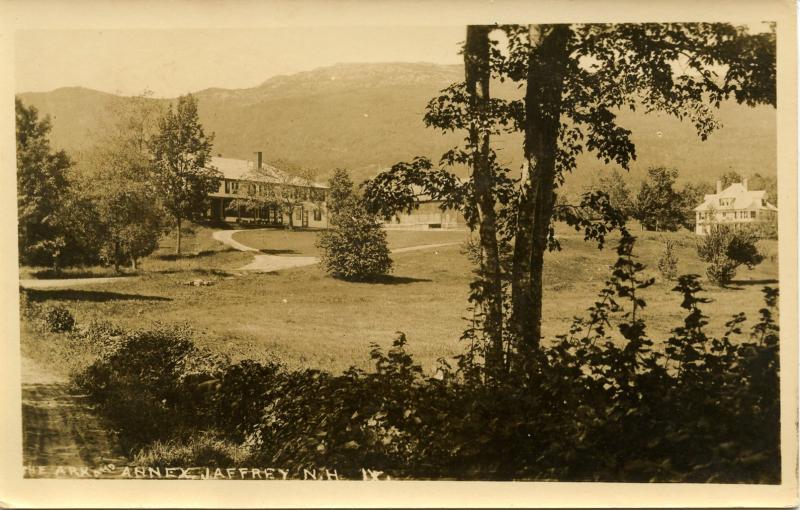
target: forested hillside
368 116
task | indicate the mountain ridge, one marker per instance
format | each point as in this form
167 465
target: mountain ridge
368 116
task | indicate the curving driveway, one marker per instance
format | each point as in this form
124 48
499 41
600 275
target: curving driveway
269 263
261 262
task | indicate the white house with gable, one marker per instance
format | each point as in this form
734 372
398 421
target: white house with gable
736 206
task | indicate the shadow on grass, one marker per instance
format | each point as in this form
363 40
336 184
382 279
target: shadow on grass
189 256
742 284
765 281
267 251
49 274
212 272
390 280
88 295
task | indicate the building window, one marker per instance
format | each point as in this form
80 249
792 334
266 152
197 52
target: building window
317 215
752 214
298 213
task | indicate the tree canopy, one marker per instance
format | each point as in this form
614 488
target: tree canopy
576 78
181 154
50 231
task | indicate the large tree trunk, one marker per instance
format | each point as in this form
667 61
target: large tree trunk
546 69
477 74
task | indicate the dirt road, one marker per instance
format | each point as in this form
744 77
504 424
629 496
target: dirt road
60 430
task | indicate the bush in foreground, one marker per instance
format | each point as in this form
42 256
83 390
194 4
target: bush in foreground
58 319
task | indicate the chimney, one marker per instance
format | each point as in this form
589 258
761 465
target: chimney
744 184
719 186
258 160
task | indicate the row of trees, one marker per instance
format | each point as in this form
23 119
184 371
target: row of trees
575 77
660 205
112 205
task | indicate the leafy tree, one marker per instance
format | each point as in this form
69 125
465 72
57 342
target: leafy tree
692 195
355 246
730 177
181 152
725 249
619 195
576 78
658 206
768 184
56 225
119 183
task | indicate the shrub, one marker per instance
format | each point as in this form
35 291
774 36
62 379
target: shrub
355 246
58 319
725 249
142 383
668 261
244 391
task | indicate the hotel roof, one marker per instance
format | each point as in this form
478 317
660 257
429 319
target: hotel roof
244 170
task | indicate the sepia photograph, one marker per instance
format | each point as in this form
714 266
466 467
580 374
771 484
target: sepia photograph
504 249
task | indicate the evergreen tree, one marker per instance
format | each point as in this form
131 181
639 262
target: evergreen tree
355 247
341 192
658 206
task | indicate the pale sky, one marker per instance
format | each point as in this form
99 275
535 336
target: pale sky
174 62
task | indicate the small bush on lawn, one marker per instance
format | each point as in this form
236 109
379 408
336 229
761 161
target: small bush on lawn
725 249
58 319
668 261
355 246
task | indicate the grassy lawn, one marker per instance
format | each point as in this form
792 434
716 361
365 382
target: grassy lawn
305 318
283 242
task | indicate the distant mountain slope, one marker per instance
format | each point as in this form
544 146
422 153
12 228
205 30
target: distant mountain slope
368 116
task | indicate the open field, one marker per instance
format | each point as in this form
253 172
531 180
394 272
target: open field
305 318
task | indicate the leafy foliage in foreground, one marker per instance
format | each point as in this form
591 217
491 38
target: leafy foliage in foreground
603 402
